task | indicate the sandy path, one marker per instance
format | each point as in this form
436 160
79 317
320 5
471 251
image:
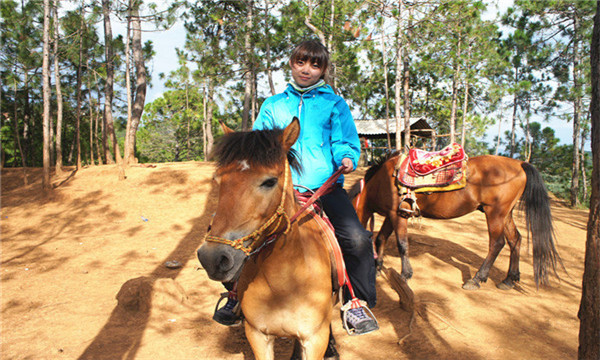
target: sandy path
66 258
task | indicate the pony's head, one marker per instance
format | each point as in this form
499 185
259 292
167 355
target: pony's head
253 178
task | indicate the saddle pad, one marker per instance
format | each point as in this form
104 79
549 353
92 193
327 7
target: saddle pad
436 180
338 266
424 162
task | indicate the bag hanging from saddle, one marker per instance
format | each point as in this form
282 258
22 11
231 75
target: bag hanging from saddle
442 170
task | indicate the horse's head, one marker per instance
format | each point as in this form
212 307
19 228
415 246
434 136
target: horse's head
254 180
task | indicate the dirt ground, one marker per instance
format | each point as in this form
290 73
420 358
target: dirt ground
83 276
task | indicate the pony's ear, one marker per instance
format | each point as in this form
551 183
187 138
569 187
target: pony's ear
290 134
225 128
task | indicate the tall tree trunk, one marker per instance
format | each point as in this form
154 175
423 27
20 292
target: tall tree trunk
499 133
208 124
269 60
96 136
140 83
406 83
386 86
46 185
455 82
59 98
398 84
109 130
464 115
188 144
249 65
91 114
126 144
513 130
17 136
576 113
79 90
589 308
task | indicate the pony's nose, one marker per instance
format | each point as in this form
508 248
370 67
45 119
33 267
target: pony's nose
216 261
224 262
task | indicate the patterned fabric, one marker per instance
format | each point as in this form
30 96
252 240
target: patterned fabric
441 171
424 162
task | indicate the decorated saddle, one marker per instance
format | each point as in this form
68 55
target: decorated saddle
424 171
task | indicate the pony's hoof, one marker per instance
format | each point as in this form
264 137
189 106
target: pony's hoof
506 285
471 285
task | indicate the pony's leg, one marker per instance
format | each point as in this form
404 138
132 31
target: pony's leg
331 353
381 240
496 236
316 346
400 225
262 344
513 237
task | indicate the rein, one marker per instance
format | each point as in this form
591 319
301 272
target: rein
280 216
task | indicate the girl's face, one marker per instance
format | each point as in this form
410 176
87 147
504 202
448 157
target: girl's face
305 73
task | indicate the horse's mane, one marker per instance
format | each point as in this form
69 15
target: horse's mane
259 147
379 163
371 171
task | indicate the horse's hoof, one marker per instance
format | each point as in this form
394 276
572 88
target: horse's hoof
506 285
471 285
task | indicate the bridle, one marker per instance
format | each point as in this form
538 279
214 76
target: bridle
279 216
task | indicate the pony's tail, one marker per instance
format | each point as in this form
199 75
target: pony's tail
538 216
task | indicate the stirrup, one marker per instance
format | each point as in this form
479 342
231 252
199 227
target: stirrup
224 295
355 303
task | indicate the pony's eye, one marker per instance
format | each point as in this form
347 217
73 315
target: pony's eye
269 183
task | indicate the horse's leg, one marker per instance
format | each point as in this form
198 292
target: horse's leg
496 236
315 347
381 240
513 237
400 225
262 344
331 353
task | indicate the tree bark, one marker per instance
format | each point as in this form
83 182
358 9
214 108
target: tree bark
398 85
576 113
59 98
249 65
455 82
109 130
406 83
79 91
46 185
589 308
385 84
140 89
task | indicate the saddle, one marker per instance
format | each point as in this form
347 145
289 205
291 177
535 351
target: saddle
424 171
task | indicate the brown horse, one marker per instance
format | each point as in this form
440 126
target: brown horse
494 186
283 268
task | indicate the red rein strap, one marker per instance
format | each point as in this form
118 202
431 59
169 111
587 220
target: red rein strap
326 187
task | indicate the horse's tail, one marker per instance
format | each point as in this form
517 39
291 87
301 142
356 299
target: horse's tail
536 203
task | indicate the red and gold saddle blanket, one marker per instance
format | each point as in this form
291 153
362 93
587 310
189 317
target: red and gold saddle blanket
442 170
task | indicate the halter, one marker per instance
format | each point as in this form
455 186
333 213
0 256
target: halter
279 216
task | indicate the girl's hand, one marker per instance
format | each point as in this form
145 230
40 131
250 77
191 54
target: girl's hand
347 165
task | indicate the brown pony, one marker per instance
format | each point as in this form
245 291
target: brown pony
494 186
283 269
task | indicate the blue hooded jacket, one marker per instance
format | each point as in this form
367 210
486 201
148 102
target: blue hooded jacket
327 131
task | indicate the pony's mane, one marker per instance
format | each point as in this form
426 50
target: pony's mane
379 163
259 147
355 189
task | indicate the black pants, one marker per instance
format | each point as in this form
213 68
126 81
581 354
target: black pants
355 242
